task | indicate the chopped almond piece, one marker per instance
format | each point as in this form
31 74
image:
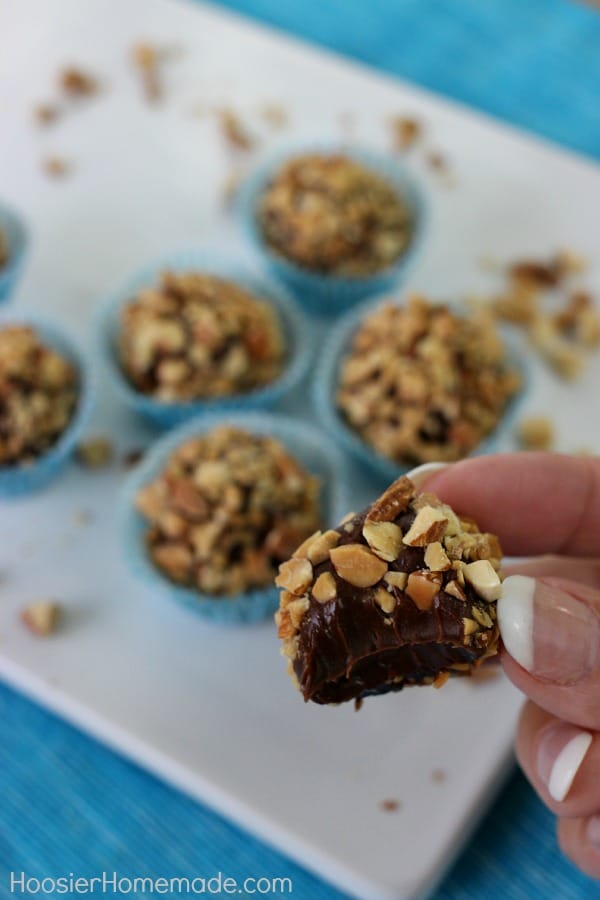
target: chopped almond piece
42 617
429 526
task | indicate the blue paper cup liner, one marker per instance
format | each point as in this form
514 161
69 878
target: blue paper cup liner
326 380
16 237
167 414
330 295
314 450
18 480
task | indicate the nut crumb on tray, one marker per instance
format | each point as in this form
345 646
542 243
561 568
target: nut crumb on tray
396 615
56 166
195 336
421 383
42 618
95 452
228 507
38 395
46 113
234 131
77 83
333 215
562 321
536 433
148 59
406 131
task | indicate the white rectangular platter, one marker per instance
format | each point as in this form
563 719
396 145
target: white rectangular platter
208 709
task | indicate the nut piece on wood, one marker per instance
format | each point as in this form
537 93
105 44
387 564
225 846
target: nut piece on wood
357 565
393 501
318 550
428 527
422 587
436 557
295 576
384 539
42 617
324 588
484 579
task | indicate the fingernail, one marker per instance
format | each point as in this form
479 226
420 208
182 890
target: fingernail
561 751
593 832
422 473
549 632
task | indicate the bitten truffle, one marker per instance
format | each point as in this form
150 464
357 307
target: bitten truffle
403 593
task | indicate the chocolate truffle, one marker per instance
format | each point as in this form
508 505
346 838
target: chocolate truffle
38 395
420 383
194 336
226 509
403 593
333 215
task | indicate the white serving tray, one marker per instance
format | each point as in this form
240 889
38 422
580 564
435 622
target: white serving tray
212 710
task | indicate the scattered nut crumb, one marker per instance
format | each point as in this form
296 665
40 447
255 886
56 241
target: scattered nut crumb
95 453
438 775
56 166
77 83
536 433
148 58
358 703
234 131
46 113
436 161
42 617
275 115
390 805
132 457
83 517
230 188
405 132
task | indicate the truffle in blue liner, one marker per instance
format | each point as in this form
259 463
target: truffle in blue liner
169 412
326 385
327 293
313 451
19 478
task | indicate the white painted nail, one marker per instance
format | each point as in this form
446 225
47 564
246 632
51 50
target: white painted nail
567 764
515 618
420 475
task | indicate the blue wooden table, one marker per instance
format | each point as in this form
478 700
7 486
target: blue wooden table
69 805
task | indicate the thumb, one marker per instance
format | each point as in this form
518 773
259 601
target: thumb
550 629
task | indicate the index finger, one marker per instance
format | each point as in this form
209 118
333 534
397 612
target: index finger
535 502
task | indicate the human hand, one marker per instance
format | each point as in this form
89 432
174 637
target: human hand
548 506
